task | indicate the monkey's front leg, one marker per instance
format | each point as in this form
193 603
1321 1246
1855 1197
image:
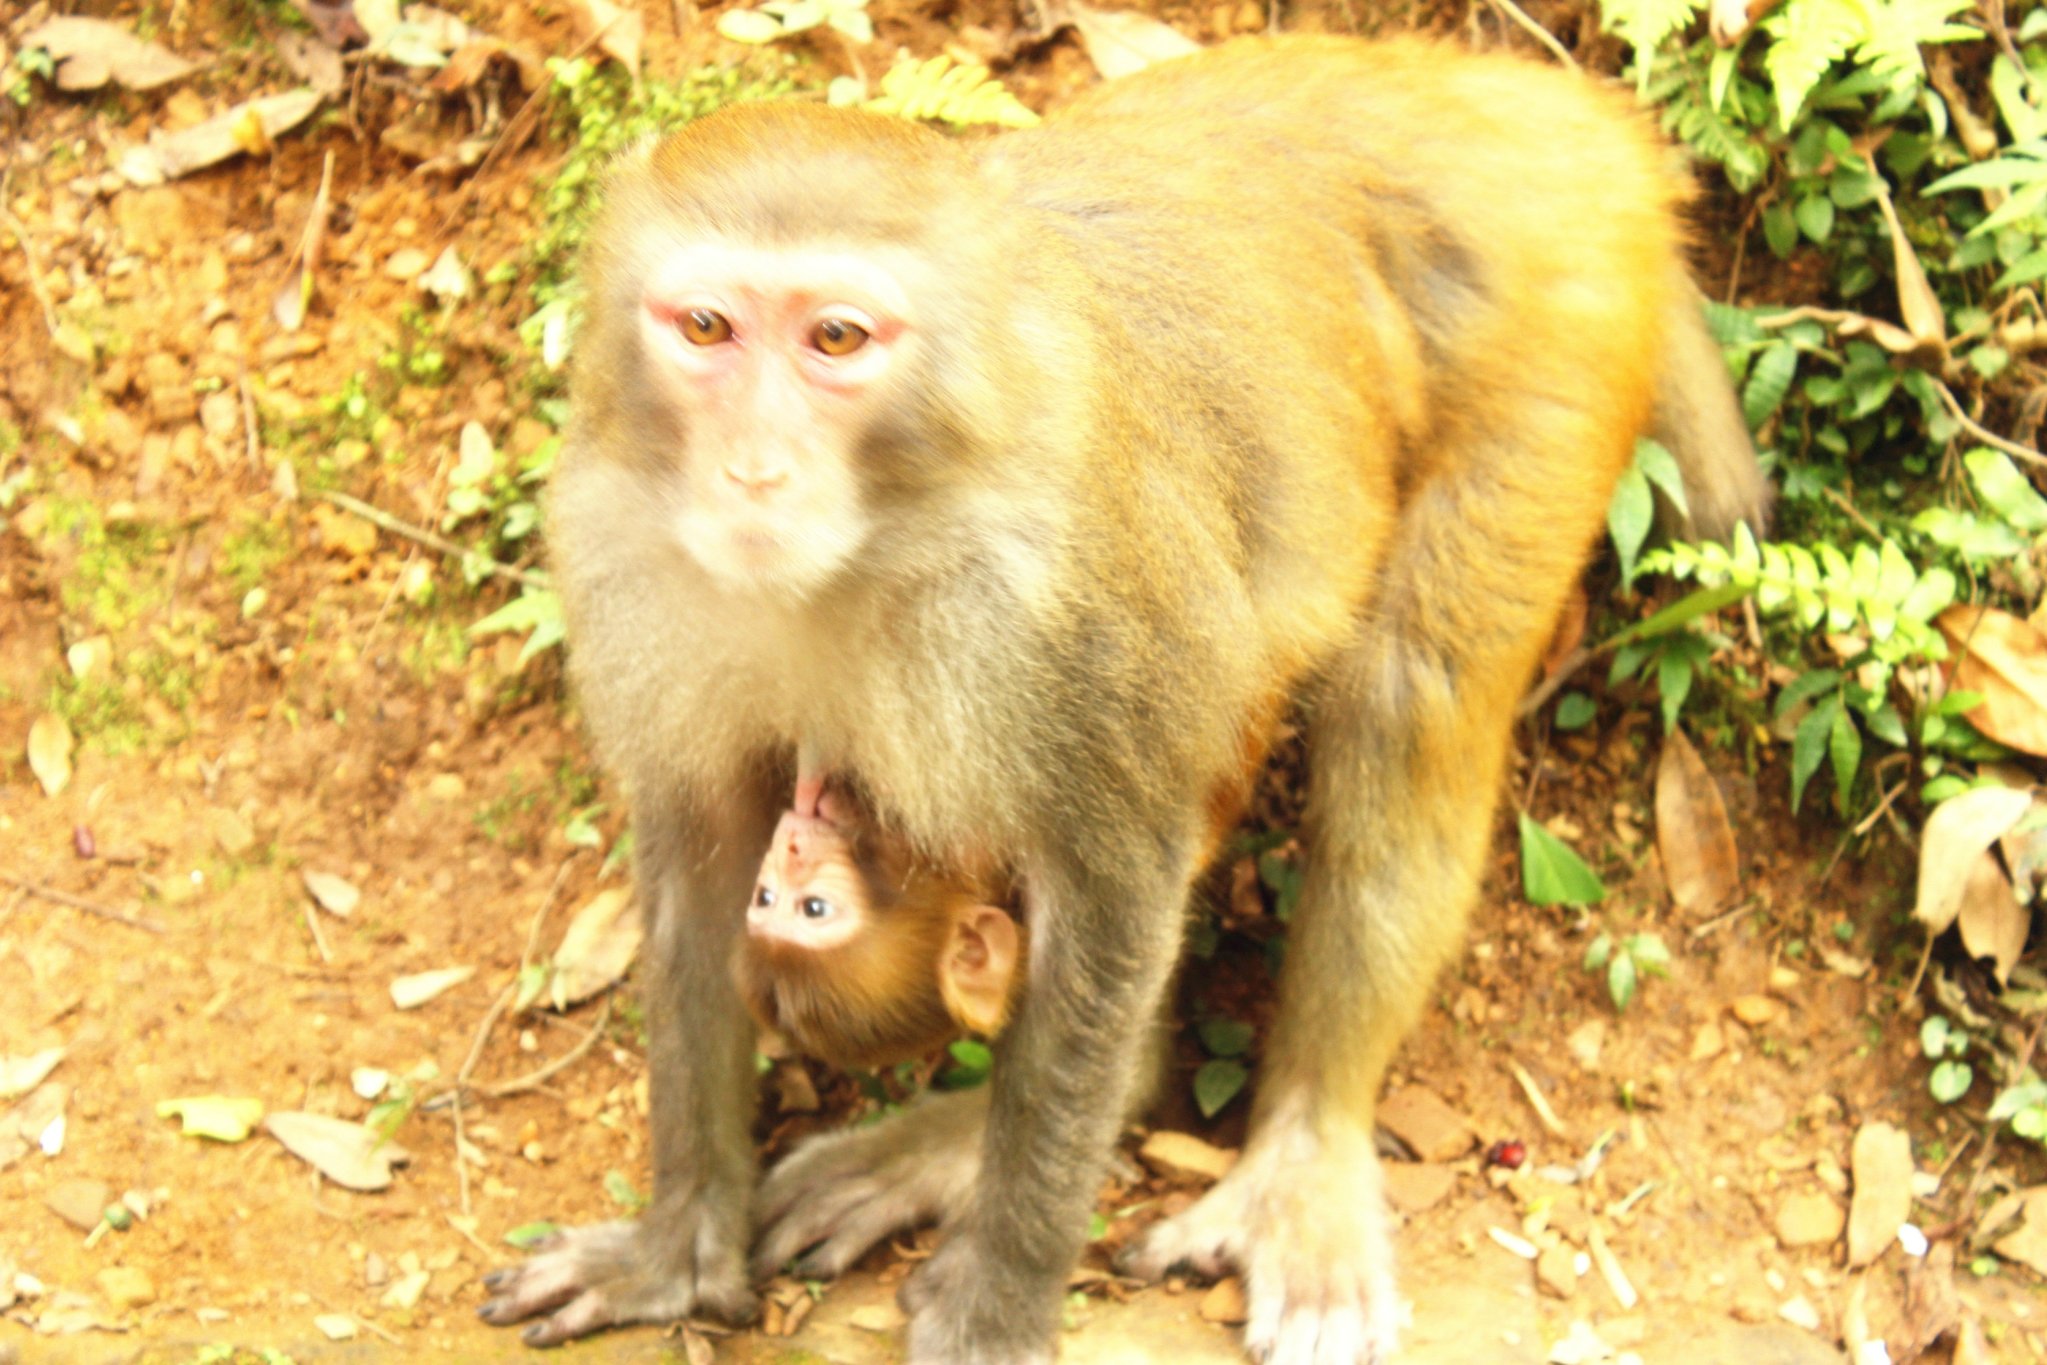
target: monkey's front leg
687 1252
1015 1193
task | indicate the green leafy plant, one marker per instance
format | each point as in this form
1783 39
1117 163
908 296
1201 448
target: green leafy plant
1223 1077
1946 1046
1551 874
1625 961
776 19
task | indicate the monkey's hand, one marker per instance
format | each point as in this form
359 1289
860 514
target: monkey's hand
1303 1217
840 1193
665 1266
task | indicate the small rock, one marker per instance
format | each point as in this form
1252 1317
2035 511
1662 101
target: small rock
1755 1010
126 1287
79 1202
1417 1186
1799 1312
1225 1303
406 263
1882 1160
445 787
1809 1219
220 413
231 831
336 1326
1420 1118
877 1317
405 1291
1708 1043
1585 1042
1556 1270
1184 1156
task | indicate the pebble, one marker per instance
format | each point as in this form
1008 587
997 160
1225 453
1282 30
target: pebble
1811 1219
79 1202
1420 1118
1755 1010
1225 1303
1556 1270
406 263
1416 1186
126 1287
1882 1161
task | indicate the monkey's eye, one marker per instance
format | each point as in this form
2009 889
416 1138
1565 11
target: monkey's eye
836 336
816 907
763 897
702 327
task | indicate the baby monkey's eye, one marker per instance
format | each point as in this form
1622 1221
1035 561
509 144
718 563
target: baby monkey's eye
763 897
702 327
836 336
816 907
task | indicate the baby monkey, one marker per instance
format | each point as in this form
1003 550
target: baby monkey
859 954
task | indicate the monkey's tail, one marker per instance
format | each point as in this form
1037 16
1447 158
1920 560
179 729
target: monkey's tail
1698 419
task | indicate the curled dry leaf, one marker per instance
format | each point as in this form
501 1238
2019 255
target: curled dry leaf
1918 306
596 949
1958 832
91 52
1693 836
346 1153
295 295
166 156
49 752
1992 920
31 1124
410 992
620 31
19 1075
336 895
1119 41
2003 658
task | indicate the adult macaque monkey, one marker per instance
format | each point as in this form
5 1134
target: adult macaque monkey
862 955
1016 474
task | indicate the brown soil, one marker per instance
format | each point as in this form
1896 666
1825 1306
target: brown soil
343 725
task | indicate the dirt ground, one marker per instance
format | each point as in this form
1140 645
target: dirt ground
262 684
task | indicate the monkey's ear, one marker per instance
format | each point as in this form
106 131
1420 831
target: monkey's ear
977 971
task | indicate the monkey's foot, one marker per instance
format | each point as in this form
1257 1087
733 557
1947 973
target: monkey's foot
1305 1221
841 1193
655 1270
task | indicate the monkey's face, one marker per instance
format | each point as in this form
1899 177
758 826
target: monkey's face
772 362
811 893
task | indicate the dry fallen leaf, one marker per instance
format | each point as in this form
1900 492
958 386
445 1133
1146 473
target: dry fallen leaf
1992 919
1700 860
91 52
295 295
1956 834
166 156
2005 660
49 752
19 1075
2028 1245
621 31
596 949
29 1125
1918 306
1120 41
1882 1161
336 895
346 1153
410 992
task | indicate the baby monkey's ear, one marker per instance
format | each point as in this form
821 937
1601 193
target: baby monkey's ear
980 970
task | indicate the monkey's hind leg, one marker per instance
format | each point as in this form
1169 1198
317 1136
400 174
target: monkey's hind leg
1408 735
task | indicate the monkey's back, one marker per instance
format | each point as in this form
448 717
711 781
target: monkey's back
1337 268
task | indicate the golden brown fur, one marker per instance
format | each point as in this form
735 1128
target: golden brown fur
1302 367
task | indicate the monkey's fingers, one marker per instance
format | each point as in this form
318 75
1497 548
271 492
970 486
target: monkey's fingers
614 1273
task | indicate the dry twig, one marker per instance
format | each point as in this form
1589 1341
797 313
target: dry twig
91 907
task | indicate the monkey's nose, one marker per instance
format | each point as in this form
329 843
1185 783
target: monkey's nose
758 480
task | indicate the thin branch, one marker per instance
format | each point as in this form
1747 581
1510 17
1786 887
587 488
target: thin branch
533 1080
1536 31
1985 434
91 907
35 270
377 516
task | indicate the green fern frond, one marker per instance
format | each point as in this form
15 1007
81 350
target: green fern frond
1896 28
1810 36
1643 24
956 94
